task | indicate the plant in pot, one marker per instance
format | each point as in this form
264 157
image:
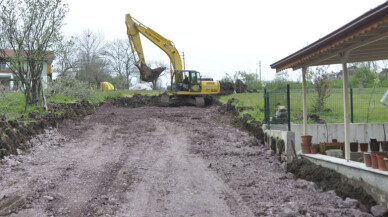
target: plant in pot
374 145
354 145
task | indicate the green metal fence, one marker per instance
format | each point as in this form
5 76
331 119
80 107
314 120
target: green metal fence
364 103
277 108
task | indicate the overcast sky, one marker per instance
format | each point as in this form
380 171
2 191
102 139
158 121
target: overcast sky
220 36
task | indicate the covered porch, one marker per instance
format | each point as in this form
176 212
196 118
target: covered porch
363 39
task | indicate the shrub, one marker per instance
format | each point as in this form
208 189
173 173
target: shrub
71 87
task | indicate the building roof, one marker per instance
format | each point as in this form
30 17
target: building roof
366 37
9 53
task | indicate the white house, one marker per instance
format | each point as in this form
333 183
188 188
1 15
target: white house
9 78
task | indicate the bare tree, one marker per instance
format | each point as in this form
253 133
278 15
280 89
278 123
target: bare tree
30 28
66 57
92 67
121 59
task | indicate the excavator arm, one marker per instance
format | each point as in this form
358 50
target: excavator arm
134 27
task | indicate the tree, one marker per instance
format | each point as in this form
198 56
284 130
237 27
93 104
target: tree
250 80
92 67
363 76
227 78
321 86
66 58
30 28
121 59
282 76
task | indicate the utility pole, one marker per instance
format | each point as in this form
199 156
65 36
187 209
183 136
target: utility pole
260 69
184 64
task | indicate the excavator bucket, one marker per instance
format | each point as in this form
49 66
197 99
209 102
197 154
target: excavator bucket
147 74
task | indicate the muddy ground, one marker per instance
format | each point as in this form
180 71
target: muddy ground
156 161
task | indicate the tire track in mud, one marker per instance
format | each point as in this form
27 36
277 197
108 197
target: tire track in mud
177 183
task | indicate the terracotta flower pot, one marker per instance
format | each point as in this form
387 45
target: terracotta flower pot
354 146
305 148
384 146
364 147
306 139
314 149
381 162
374 160
367 159
386 162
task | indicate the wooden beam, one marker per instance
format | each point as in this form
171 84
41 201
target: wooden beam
304 72
318 60
344 57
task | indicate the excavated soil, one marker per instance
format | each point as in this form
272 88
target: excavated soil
15 133
328 179
157 161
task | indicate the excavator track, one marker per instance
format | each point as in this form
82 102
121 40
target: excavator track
165 100
200 101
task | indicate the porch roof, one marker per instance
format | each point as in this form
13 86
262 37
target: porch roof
366 37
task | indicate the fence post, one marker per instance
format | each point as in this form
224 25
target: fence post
351 105
288 108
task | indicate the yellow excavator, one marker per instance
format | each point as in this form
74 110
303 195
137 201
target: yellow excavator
187 86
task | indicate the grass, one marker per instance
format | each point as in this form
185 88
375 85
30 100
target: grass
254 100
367 106
12 103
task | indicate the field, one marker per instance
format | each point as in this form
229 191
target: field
366 105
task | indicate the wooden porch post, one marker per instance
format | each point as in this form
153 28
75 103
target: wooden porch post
345 85
304 72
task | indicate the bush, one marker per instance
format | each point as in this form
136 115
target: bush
71 87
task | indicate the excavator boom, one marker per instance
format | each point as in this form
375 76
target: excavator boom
134 27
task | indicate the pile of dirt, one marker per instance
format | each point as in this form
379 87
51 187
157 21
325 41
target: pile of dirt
241 87
246 122
15 133
226 88
137 100
328 179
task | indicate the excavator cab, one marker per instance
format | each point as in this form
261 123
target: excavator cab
186 81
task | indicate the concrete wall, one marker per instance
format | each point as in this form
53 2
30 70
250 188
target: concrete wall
327 132
285 150
374 181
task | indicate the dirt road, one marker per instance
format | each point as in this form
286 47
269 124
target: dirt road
153 161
